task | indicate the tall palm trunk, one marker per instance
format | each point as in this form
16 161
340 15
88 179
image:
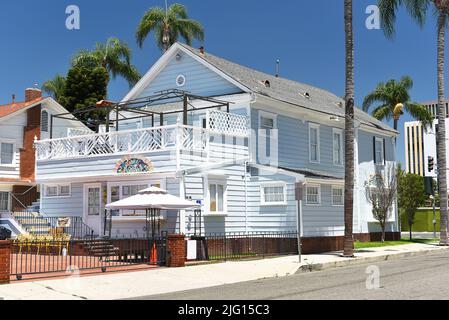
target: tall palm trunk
441 136
349 132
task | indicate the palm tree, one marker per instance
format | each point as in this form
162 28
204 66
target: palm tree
348 250
114 56
418 11
55 87
169 25
393 98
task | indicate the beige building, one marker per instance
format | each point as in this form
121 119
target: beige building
432 106
414 148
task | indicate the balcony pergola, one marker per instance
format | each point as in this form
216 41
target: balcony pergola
139 109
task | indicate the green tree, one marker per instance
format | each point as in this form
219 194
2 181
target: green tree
418 11
114 56
84 88
169 25
411 196
393 97
55 87
348 250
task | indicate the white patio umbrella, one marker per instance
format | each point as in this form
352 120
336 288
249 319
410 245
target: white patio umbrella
152 198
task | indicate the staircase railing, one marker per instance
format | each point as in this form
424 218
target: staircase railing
24 199
38 224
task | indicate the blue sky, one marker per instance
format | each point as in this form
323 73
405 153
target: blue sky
307 36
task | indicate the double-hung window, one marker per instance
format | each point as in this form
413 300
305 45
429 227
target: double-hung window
267 123
314 143
6 153
217 197
4 201
313 194
379 154
337 196
337 135
273 194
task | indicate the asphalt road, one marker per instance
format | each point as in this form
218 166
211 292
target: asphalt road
419 277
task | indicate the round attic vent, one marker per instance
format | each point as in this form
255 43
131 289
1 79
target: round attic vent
180 80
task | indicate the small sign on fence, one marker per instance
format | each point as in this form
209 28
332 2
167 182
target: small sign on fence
64 222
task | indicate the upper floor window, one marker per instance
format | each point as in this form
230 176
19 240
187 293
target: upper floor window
267 123
44 121
6 153
273 194
338 146
314 143
379 150
313 194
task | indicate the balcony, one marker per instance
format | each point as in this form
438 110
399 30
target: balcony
177 138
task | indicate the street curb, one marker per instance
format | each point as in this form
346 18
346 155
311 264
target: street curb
362 260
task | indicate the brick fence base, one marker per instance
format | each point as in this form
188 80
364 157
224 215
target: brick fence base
176 250
326 244
5 256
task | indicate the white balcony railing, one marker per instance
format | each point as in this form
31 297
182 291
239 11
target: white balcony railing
129 141
170 137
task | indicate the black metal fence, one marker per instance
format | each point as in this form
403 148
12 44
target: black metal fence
231 246
39 224
35 257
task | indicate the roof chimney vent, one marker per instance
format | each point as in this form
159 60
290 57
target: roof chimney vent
32 94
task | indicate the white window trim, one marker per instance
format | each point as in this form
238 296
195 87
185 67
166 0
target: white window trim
381 140
215 180
269 115
314 126
86 187
48 121
14 161
342 194
58 186
319 194
8 205
340 132
273 184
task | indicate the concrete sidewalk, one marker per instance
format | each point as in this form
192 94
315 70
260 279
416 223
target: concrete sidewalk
165 280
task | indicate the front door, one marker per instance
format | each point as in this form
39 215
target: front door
93 206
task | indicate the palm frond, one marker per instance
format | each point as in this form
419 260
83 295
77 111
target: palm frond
152 19
178 10
378 95
55 87
420 113
383 112
193 27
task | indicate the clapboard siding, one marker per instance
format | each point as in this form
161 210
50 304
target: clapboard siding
200 80
293 144
64 206
99 165
324 216
367 169
11 131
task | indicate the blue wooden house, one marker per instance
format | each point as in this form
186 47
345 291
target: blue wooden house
232 138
